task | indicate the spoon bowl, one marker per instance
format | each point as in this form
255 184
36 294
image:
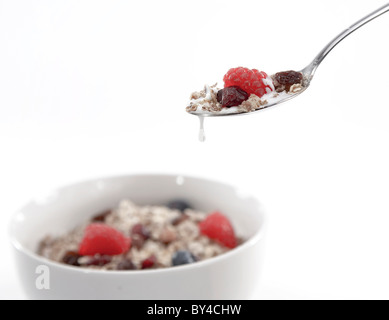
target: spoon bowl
308 72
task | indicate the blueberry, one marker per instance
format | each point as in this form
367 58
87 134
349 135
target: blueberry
183 257
181 205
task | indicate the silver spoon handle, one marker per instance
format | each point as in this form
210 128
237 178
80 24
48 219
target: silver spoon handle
311 68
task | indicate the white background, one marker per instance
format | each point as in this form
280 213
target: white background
97 88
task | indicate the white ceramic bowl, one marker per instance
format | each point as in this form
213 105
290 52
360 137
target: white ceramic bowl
233 275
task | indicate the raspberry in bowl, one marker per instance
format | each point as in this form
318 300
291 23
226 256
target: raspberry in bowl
106 260
245 90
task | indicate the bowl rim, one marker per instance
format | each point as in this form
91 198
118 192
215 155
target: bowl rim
256 237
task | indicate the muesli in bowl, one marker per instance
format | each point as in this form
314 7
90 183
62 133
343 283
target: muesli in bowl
133 237
140 228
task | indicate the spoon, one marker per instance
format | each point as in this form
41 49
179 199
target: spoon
309 71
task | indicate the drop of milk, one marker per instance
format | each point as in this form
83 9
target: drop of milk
201 132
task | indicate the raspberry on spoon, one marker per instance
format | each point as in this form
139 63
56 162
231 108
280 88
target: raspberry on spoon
252 81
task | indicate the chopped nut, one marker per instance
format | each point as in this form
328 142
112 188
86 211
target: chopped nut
155 231
167 235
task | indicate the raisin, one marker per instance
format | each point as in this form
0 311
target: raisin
141 230
101 216
219 96
232 96
179 219
288 78
139 234
71 258
126 264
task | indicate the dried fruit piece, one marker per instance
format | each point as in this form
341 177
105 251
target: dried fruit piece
218 227
180 219
232 96
183 257
219 96
284 80
103 239
71 258
101 216
252 81
149 262
141 230
139 234
126 264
